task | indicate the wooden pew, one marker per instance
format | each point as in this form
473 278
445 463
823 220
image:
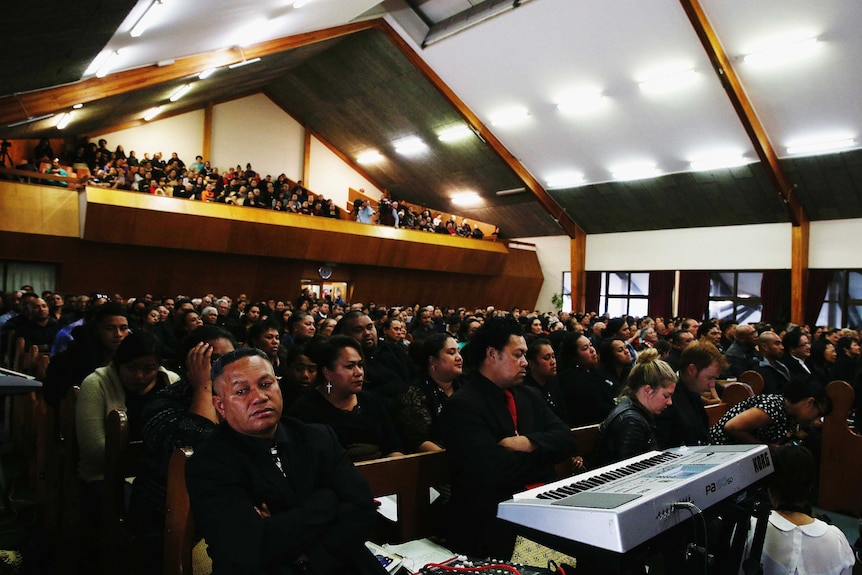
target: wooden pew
179 524
70 485
735 393
753 379
716 412
409 477
121 461
841 456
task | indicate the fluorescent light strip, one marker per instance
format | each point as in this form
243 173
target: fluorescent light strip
30 120
147 19
454 134
467 199
782 53
717 162
108 65
509 117
64 120
369 157
410 146
581 102
635 172
243 62
565 181
152 113
668 82
206 73
821 146
180 92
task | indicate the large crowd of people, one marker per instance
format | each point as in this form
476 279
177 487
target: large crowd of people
200 180
498 389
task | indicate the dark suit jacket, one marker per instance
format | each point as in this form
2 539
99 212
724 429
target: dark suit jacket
473 421
323 509
684 422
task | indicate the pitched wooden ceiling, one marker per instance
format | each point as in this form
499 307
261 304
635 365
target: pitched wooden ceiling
356 88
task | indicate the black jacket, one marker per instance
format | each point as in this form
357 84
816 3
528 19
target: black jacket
322 509
628 431
684 422
484 473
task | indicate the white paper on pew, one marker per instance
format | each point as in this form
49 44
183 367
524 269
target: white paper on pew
419 553
389 504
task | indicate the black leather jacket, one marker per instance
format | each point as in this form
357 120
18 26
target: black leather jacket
628 431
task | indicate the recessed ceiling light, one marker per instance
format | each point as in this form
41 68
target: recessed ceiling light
782 52
464 199
180 92
152 113
509 117
565 180
369 157
410 146
815 146
454 134
668 81
77 106
638 171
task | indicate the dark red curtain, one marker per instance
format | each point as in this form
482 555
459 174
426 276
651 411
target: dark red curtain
593 291
693 294
775 296
818 284
661 294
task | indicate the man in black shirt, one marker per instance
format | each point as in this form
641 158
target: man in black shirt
685 421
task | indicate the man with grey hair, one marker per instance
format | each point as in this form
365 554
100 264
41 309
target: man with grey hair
273 495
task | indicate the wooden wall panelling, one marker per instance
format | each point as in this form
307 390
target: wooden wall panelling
86 266
140 219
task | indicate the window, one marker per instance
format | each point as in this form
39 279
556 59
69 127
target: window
843 303
567 291
13 275
624 294
735 295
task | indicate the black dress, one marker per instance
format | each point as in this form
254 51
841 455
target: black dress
589 396
366 431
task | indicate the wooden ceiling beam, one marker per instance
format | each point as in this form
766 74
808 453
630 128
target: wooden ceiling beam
560 215
744 109
18 107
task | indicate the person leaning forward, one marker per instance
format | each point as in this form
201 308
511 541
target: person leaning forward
273 495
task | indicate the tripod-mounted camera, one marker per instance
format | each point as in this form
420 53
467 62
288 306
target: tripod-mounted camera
4 154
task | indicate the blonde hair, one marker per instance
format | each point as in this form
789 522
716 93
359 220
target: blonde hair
648 370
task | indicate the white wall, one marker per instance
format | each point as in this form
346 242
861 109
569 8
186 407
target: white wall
330 176
183 134
762 246
554 254
834 244
254 130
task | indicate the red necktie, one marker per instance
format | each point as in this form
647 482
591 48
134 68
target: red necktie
513 411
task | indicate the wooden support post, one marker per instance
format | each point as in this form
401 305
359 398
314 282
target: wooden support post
579 272
799 271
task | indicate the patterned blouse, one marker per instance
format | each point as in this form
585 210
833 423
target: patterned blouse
776 431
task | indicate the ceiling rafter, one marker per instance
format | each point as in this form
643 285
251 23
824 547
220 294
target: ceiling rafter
17 107
744 109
